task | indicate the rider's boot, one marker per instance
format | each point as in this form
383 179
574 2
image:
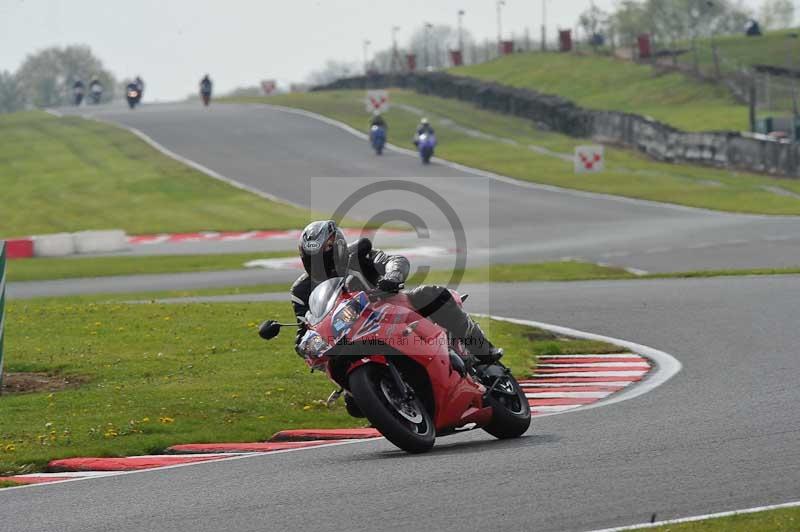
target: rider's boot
480 346
437 303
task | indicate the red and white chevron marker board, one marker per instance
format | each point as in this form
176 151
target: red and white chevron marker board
589 159
377 101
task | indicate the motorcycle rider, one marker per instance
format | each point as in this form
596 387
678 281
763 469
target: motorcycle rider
77 90
325 254
139 86
378 120
96 89
205 86
424 128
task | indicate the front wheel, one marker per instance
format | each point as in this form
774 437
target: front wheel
403 421
511 413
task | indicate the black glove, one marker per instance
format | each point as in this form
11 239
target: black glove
390 286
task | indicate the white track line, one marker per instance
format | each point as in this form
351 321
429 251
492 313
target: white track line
620 355
534 384
592 374
692 519
554 409
573 395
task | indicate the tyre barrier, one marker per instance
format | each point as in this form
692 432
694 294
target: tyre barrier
100 241
66 244
57 245
19 248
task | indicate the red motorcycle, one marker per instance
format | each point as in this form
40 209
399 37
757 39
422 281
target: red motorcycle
406 375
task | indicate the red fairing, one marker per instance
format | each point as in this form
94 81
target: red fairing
395 329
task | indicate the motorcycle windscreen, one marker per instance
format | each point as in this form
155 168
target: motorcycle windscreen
323 298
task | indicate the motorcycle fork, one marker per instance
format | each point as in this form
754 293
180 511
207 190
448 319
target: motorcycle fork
402 387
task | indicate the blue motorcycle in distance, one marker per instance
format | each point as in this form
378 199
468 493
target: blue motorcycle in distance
426 143
377 137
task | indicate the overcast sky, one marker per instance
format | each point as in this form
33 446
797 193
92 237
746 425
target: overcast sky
171 43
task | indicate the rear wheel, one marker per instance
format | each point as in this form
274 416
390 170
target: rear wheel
403 421
511 413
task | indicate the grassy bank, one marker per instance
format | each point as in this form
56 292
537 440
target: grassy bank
72 268
69 268
71 174
772 48
781 520
607 83
627 173
157 375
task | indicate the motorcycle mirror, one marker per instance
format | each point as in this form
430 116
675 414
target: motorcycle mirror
269 329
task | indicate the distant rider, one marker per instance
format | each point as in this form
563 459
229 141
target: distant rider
78 90
96 89
139 86
424 127
206 86
378 120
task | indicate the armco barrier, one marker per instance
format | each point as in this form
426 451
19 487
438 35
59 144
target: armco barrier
2 305
662 142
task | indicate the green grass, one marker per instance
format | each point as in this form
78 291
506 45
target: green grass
68 268
521 272
772 48
71 174
166 374
627 173
782 520
601 82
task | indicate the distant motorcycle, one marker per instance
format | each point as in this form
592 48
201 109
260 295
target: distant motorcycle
133 95
205 90
78 94
377 137
426 143
95 93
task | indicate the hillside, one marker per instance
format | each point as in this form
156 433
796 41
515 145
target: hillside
600 82
773 48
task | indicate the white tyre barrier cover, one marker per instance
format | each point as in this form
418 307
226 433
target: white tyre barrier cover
100 241
57 245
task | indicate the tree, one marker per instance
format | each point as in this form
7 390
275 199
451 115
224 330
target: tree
776 14
11 98
594 23
628 21
431 44
332 71
46 77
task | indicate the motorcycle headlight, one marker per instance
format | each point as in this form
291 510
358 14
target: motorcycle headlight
313 345
348 314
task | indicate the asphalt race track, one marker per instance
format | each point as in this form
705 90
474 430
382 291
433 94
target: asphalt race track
722 434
